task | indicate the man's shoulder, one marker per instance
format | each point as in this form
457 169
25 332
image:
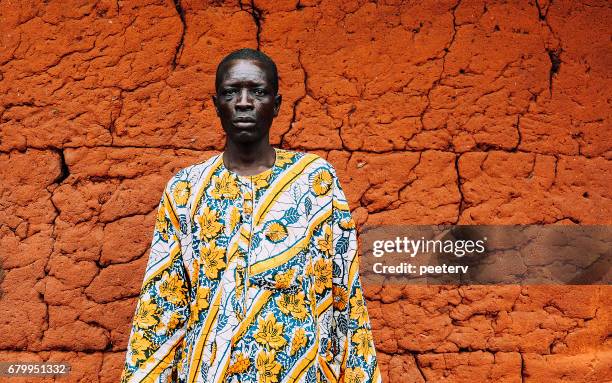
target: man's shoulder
193 172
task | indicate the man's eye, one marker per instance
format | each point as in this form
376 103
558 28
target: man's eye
259 92
229 92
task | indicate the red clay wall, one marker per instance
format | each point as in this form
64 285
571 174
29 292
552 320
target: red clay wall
433 112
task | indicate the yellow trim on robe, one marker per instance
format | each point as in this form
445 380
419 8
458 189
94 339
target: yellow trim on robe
284 257
199 347
304 364
329 374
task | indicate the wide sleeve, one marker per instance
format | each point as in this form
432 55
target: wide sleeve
162 308
355 358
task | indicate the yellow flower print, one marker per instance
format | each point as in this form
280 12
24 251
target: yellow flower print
283 158
270 333
309 269
161 225
174 321
365 344
291 304
340 297
172 289
195 265
213 258
312 298
325 242
321 182
354 375
146 316
234 218
225 186
358 308
240 365
283 280
347 224
209 224
299 341
261 182
276 232
139 345
323 275
181 193
203 296
268 367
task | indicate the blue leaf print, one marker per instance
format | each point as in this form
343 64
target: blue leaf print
183 223
222 321
311 376
296 192
291 216
342 324
308 206
336 271
342 245
255 241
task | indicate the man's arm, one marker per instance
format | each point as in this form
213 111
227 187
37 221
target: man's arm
162 308
356 357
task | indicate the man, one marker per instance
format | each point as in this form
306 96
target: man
253 274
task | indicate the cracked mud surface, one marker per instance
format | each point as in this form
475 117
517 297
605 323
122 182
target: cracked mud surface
432 112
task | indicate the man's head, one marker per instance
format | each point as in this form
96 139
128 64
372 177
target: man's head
253 55
246 98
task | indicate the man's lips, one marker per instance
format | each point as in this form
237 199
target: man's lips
244 122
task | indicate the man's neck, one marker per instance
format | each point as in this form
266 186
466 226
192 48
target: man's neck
249 159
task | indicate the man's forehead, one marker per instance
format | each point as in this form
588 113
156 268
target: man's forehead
244 70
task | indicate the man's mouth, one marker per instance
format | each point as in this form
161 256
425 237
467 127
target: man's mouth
244 122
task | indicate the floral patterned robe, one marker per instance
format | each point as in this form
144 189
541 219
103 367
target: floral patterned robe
253 279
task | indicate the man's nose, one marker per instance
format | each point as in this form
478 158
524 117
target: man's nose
244 100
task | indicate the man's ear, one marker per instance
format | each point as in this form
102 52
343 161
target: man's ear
214 100
277 103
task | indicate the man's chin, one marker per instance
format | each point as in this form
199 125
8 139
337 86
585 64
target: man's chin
246 137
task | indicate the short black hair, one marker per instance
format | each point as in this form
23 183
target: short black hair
249 54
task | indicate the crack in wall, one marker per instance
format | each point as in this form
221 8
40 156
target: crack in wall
460 189
445 51
555 65
179 47
297 102
542 13
523 372
553 52
483 148
418 366
257 15
519 138
64 171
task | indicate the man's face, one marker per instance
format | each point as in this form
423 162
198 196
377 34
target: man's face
245 101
